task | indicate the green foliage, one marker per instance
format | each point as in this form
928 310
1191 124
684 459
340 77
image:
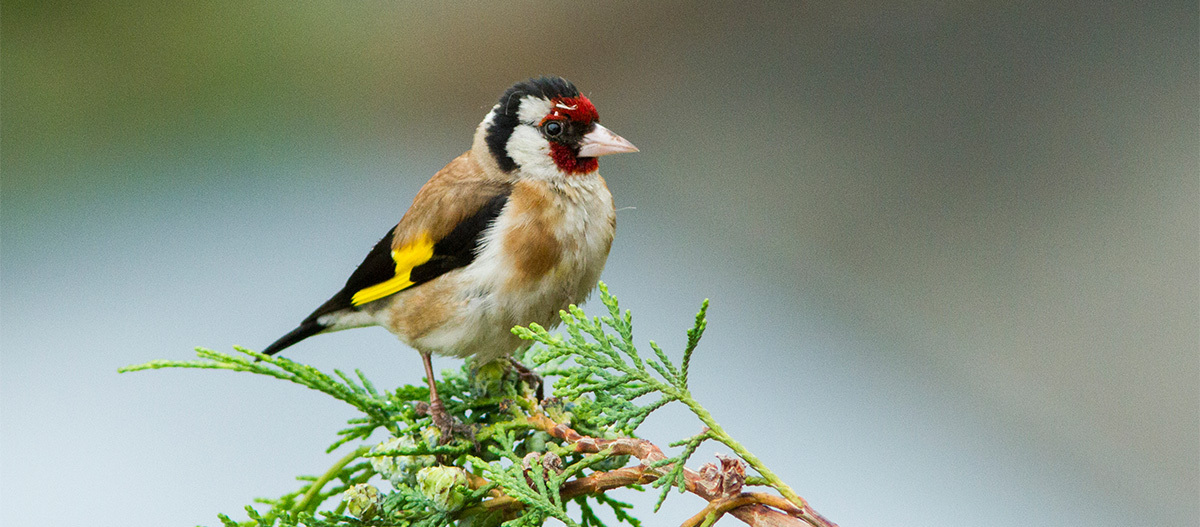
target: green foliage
380 410
513 472
605 364
620 510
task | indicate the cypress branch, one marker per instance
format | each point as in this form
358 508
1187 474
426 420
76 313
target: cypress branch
530 457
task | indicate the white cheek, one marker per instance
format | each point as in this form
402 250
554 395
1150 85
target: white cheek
533 109
531 151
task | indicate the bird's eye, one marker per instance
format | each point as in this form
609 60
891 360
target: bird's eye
553 128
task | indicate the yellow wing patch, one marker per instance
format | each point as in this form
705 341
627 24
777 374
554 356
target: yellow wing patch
407 257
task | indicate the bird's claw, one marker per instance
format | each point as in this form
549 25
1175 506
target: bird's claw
446 424
528 376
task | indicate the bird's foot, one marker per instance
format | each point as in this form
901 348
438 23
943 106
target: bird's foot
446 424
528 376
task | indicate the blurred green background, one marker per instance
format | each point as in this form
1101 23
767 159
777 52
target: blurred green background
953 248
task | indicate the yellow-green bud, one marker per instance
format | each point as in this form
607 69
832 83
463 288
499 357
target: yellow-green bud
362 500
536 442
488 379
398 469
445 486
432 436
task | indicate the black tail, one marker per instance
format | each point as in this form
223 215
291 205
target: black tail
307 329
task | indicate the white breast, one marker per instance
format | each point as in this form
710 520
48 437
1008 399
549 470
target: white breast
492 302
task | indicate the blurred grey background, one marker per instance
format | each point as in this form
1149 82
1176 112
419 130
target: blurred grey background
952 247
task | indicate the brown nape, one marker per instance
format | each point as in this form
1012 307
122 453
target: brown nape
453 194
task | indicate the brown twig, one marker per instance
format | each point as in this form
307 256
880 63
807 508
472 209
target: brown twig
718 507
599 482
756 509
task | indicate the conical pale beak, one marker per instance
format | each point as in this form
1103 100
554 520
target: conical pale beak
601 142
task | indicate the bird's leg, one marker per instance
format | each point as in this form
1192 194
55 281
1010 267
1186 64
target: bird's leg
427 360
528 376
442 419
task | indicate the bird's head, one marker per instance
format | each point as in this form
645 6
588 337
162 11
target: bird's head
545 128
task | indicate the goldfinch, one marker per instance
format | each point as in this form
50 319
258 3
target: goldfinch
507 234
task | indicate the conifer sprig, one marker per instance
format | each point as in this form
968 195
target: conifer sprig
607 366
529 458
380 410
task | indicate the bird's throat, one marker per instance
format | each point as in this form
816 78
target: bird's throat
570 163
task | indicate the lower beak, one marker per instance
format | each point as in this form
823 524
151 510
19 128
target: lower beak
601 142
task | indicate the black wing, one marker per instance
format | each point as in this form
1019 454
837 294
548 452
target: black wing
455 250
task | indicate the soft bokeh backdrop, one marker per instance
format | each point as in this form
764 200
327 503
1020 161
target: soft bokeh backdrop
952 247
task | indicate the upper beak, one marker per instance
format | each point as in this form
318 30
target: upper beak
601 142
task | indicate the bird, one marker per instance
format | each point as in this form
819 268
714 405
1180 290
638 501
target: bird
509 233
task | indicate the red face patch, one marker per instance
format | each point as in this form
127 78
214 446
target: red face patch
578 109
569 163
